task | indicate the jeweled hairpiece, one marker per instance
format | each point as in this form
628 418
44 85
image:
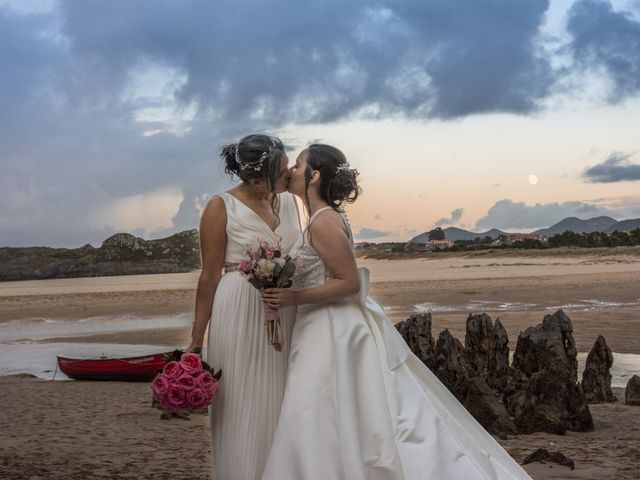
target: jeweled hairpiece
343 168
257 166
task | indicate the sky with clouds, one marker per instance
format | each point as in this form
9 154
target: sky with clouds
476 114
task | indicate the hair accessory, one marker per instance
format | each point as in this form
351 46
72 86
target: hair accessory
257 166
343 168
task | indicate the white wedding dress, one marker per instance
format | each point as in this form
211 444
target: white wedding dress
359 405
245 409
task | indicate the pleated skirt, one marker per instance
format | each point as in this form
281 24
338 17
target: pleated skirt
245 410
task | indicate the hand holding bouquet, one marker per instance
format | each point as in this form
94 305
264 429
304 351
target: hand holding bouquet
266 267
186 384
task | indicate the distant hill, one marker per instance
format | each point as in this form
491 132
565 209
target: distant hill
120 254
573 224
577 225
455 234
624 225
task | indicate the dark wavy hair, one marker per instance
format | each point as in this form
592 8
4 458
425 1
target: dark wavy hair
255 156
338 182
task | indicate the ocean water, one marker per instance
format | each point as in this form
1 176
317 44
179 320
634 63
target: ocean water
23 351
493 306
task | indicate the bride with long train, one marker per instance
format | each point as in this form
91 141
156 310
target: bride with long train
357 403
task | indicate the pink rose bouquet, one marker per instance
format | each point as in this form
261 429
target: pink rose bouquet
266 267
186 384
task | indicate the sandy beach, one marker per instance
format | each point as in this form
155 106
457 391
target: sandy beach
106 430
79 430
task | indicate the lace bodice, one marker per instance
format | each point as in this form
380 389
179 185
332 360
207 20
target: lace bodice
310 269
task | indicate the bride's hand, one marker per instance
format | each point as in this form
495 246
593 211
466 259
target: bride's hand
279 297
193 348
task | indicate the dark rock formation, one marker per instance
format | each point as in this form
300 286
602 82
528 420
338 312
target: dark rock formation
632 391
545 344
120 254
542 455
538 392
416 331
596 378
487 349
549 400
453 368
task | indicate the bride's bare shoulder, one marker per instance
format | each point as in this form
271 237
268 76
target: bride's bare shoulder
328 222
214 211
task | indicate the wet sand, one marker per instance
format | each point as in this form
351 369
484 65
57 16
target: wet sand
107 430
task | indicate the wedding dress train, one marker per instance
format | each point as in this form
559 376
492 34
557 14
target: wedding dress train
358 404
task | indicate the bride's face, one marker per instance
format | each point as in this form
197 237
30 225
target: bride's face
297 184
282 184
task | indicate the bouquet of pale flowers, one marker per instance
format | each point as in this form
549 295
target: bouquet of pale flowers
186 385
267 267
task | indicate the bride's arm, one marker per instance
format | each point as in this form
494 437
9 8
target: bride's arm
213 240
330 240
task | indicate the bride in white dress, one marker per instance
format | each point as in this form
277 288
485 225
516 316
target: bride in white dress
245 409
358 404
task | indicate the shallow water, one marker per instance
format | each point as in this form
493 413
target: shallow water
22 352
494 306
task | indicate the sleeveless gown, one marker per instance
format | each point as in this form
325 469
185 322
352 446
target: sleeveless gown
359 405
245 410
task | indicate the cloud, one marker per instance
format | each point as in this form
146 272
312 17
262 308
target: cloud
455 217
302 63
370 233
509 214
616 168
609 40
109 100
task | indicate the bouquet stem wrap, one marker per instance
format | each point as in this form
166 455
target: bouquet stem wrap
273 327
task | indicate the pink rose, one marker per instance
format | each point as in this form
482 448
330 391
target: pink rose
176 399
186 382
159 386
172 370
206 381
190 362
244 266
198 398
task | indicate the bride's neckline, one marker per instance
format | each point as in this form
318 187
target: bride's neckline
272 230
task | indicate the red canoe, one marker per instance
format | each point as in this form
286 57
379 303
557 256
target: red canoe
129 369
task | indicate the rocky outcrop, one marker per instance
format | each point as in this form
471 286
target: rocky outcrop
487 348
454 368
538 392
596 378
542 455
416 331
120 254
549 398
632 391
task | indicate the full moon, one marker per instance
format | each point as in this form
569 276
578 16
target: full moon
533 179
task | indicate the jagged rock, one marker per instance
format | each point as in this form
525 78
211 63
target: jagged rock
543 455
596 378
548 343
487 349
486 407
120 254
453 368
632 391
416 331
548 399
451 364
540 418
